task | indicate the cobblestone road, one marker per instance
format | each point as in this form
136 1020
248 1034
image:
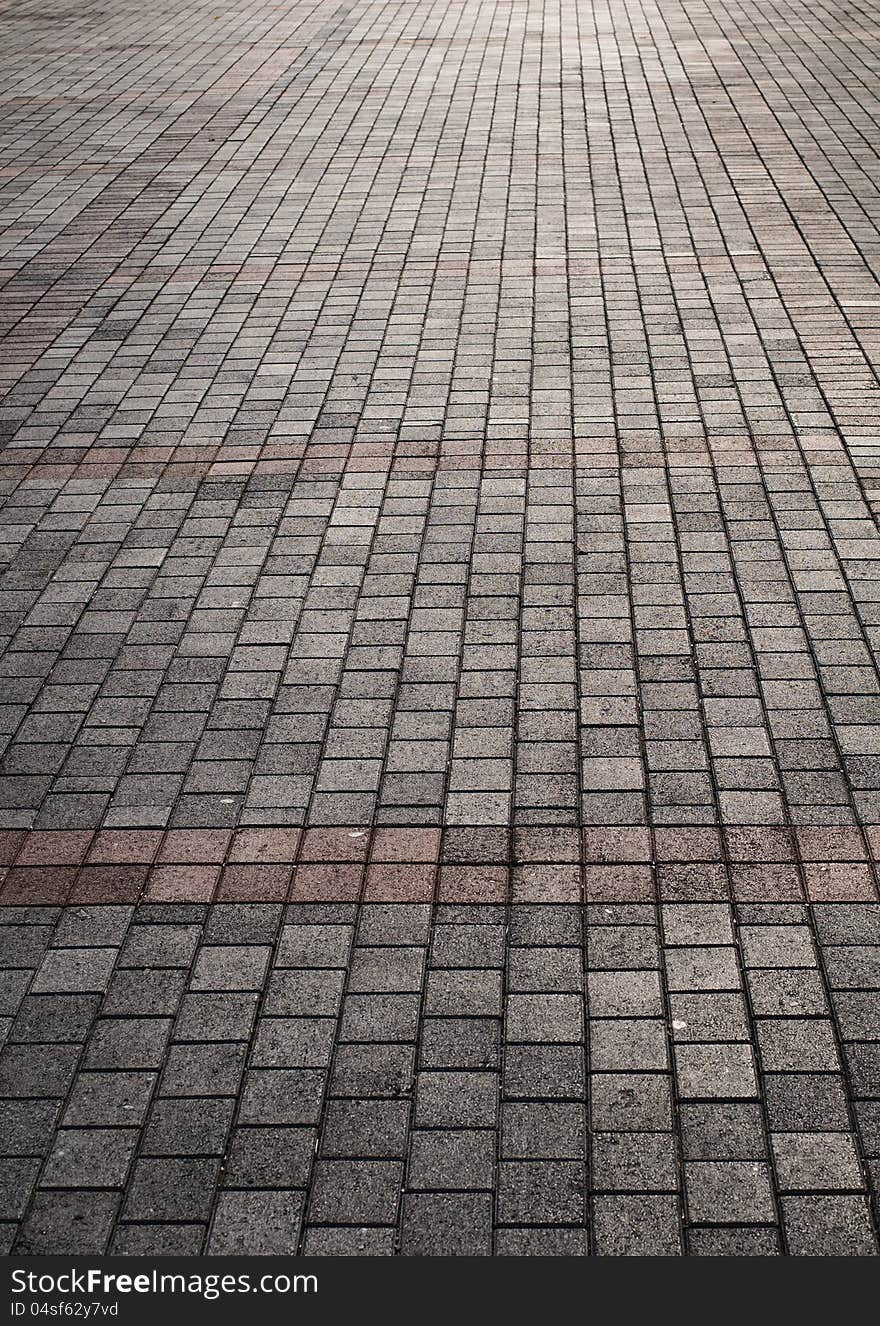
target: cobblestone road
440 794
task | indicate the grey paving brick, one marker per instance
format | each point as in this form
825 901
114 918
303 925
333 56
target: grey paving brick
723 1130
816 1162
349 1241
171 1189
634 1161
261 1223
646 1225
537 1242
157 1240
17 1179
544 1071
828 1226
630 1101
805 1101
733 1241
456 1099
118 1099
72 1223
188 1127
540 1192
355 1192
735 1192
365 1128
446 1225
716 1071
97 1157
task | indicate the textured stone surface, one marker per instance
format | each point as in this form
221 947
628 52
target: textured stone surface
439 780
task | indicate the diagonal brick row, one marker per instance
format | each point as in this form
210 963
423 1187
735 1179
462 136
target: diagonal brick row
415 864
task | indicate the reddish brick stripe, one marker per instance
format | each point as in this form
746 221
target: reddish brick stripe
454 865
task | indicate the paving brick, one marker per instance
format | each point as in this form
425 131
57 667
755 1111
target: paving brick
27 1126
646 1225
70 1223
349 1241
717 1071
536 1242
456 1099
441 1160
828 1226
540 1192
171 1189
723 1130
188 1127
355 1192
117 1099
544 1071
446 1225
366 1128
281 1096
17 1179
56 1017
536 1130
127 1043
733 1241
261 1223
157 1240
735 1192
634 1161
630 1101
816 1162
802 1101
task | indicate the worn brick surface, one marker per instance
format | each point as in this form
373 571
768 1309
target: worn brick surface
439 693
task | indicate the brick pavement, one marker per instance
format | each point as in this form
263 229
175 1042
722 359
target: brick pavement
440 804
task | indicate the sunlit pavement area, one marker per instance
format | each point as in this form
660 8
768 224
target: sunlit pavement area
440 609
